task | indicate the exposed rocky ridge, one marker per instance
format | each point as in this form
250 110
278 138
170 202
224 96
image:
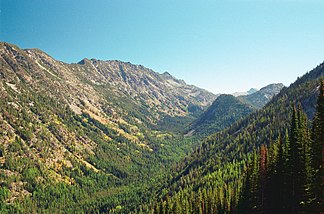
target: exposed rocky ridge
161 91
260 98
251 91
101 116
86 85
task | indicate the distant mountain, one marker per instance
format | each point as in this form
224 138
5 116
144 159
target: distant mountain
260 98
251 91
227 109
224 111
212 177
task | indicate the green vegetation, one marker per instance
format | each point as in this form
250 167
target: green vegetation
284 178
233 170
224 111
119 165
74 144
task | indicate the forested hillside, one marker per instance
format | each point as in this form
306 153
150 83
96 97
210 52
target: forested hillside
287 176
218 177
84 137
108 137
228 109
224 111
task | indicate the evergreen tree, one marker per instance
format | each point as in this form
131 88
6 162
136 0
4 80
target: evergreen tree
262 177
317 149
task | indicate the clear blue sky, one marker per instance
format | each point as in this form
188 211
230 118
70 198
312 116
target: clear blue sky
222 46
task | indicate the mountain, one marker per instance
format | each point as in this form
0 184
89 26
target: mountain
224 111
106 88
227 109
75 135
161 92
251 91
260 98
211 178
106 137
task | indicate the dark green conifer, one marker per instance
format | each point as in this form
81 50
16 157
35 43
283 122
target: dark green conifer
317 149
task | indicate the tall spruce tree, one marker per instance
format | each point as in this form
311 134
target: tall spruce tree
318 154
293 161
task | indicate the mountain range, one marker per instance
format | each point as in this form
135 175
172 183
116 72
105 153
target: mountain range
227 109
106 117
251 91
260 98
214 177
110 136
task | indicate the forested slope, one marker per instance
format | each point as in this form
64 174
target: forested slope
211 179
83 137
227 109
224 111
105 136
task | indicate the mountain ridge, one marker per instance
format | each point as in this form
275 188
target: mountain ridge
63 125
168 96
227 109
224 111
106 136
260 98
250 91
215 172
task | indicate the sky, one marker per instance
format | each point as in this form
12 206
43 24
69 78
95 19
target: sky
222 46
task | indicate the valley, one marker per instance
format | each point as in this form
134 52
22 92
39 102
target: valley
113 137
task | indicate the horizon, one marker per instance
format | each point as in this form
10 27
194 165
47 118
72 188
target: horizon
223 47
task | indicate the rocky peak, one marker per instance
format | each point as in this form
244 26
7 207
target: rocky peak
272 89
252 90
263 96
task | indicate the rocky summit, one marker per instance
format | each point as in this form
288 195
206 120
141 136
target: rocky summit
260 98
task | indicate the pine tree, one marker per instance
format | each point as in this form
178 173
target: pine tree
317 149
262 176
299 142
292 161
304 169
